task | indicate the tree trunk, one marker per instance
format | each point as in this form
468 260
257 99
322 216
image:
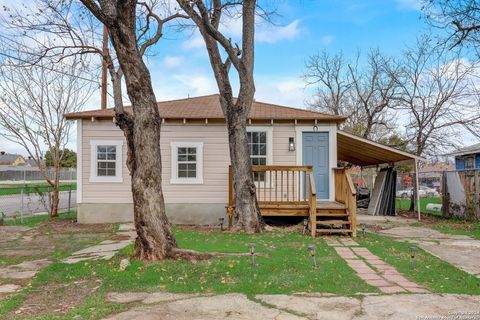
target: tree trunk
55 198
247 213
155 239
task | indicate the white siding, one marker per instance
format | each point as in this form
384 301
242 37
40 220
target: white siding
215 162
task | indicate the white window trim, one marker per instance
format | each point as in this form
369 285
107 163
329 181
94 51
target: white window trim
269 131
174 179
332 149
118 162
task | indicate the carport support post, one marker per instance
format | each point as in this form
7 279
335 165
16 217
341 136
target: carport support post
416 189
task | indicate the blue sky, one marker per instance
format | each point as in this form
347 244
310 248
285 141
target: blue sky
179 65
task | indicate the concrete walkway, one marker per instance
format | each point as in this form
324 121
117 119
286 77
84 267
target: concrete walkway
106 249
458 250
371 268
169 306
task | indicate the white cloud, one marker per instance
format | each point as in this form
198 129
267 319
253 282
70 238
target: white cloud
172 61
194 42
287 90
273 34
410 4
265 33
328 39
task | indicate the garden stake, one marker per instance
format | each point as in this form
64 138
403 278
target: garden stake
311 250
412 257
252 253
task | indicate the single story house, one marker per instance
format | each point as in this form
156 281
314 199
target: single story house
294 153
8 159
467 158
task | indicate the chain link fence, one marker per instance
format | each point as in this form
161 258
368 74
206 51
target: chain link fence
24 192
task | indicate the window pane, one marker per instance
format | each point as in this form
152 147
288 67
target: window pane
192 150
182 151
111 165
255 137
263 150
249 137
262 137
111 156
101 148
192 157
182 166
182 157
101 156
262 161
101 172
111 149
255 149
111 172
192 167
182 174
192 174
102 165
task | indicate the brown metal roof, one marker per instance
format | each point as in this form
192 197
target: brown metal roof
364 152
208 107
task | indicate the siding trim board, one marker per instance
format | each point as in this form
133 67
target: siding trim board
79 160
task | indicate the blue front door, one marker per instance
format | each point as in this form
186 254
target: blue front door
315 153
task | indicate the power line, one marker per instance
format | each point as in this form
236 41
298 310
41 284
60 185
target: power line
50 69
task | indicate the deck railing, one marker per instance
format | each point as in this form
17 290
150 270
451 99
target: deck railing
346 193
279 186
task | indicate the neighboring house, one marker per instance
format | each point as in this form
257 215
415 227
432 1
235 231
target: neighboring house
467 158
7 159
195 162
30 162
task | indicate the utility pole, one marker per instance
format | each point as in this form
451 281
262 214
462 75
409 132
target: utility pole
104 69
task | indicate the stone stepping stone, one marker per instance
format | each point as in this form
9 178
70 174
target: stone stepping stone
9 288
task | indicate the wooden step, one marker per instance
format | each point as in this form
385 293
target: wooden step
333 215
330 222
334 231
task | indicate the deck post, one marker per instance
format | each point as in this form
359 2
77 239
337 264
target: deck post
231 198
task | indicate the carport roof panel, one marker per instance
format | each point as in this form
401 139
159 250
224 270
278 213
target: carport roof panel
364 152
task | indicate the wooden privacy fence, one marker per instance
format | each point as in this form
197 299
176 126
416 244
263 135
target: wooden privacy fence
470 208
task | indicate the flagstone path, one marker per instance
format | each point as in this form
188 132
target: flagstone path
371 268
181 306
106 249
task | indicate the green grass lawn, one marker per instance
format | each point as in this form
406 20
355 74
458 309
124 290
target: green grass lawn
404 204
287 268
10 189
34 221
452 226
434 273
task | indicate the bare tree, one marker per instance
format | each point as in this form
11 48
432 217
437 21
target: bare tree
459 18
76 26
364 92
333 86
375 89
207 15
33 102
438 96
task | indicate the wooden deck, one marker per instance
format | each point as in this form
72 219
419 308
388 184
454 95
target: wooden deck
290 191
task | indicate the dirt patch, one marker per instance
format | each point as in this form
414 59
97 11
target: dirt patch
55 299
69 226
119 237
50 236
